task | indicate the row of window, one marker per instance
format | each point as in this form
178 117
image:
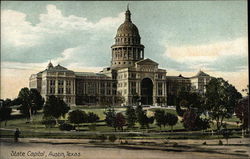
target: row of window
125 75
60 90
133 40
108 92
132 91
108 84
60 82
122 63
124 56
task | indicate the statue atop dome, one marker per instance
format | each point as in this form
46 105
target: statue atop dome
128 14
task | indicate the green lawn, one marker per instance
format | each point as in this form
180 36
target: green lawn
36 129
233 119
172 111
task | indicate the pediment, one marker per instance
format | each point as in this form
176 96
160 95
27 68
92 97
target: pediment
146 62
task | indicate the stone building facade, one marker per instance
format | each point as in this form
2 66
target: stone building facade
130 78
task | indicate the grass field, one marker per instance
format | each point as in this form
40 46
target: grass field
37 129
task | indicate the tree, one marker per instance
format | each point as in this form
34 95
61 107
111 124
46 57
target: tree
77 117
120 121
130 116
26 101
190 100
7 102
104 101
172 120
37 100
179 111
92 117
30 101
151 120
110 117
5 110
242 111
189 120
135 98
203 123
160 117
226 134
193 121
55 107
220 100
16 101
140 115
119 99
142 118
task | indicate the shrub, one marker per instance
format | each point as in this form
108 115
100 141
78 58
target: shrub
175 144
92 127
92 117
220 142
66 127
102 138
49 122
77 117
112 138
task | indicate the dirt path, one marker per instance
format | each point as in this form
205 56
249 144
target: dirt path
136 149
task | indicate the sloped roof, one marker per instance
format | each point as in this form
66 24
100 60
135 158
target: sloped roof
176 77
58 68
200 73
146 62
89 74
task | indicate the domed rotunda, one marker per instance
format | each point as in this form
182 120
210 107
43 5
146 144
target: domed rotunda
127 48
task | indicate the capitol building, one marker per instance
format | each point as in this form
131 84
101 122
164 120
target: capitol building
131 78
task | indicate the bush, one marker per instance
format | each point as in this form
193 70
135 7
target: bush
92 127
102 138
220 142
92 117
66 127
112 138
175 144
49 122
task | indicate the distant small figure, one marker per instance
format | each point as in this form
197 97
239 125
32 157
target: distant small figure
16 135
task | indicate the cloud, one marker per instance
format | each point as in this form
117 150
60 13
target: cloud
17 31
66 55
226 56
23 66
208 52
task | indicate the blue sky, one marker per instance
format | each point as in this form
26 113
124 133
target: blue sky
182 36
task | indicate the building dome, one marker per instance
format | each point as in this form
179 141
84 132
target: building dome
127 48
127 29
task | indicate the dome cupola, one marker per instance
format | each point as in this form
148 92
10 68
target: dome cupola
127 33
127 48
